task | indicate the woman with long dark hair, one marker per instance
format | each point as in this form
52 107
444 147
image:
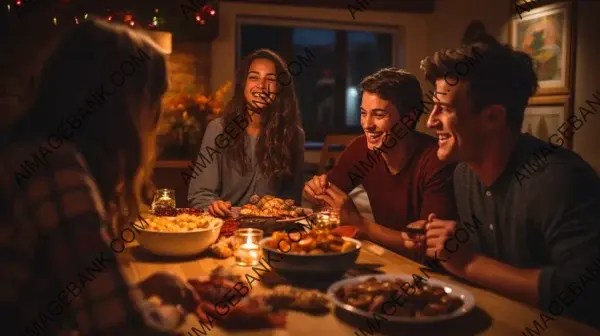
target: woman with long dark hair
258 144
75 163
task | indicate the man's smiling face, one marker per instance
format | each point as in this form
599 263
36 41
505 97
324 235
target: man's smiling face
459 129
377 116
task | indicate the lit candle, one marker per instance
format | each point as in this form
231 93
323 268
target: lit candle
247 252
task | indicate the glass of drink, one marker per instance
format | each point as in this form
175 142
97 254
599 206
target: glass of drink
326 219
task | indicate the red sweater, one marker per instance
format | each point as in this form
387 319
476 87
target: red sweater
424 186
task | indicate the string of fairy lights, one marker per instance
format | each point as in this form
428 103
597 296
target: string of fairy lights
152 21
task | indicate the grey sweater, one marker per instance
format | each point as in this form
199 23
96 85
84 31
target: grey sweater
220 181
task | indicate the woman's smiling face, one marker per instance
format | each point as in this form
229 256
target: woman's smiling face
260 82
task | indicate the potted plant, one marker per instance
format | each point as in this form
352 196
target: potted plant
187 112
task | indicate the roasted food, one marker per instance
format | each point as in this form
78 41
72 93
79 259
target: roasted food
237 314
309 243
371 296
222 273
229 227
223 248
270 206
284 297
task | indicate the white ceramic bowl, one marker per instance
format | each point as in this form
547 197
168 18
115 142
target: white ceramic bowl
179 244
465 295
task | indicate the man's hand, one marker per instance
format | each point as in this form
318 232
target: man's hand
316 187
438 232
220 209
413 241
340 201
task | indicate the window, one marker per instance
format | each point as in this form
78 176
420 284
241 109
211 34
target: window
328 87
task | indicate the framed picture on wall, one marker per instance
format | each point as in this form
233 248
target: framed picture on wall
544 115
547 35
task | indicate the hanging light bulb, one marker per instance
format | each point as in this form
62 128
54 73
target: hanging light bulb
212 12
76 20
85 16
132 23
55 21
8 6
198 18
110 18
19 2
156 10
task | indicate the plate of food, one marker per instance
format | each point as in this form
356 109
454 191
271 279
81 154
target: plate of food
432 301
271 207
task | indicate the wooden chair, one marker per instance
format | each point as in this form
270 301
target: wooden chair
336 139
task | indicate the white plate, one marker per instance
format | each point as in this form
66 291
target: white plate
465 295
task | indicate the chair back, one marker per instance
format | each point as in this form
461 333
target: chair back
336 139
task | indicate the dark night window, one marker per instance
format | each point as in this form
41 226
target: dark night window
328 87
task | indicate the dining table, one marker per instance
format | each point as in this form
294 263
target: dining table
493 314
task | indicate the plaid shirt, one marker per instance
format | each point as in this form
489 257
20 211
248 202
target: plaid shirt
57 271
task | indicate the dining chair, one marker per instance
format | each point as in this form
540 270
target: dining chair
336 139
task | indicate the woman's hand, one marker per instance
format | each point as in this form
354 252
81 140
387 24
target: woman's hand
171 289
316 187
220 208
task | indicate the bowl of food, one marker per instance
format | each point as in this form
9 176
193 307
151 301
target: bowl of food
187 233
311 256
428 301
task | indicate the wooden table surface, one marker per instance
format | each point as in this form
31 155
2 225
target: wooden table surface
493 314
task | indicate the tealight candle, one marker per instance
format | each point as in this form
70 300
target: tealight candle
247 252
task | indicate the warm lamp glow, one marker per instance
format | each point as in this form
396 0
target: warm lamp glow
163 39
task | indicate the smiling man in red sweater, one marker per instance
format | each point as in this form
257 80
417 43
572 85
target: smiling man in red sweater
397 166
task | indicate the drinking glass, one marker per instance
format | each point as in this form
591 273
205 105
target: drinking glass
327 219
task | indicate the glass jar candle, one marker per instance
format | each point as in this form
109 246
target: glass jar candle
164 203
247 252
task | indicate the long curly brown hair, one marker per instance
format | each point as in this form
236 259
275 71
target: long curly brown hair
280 122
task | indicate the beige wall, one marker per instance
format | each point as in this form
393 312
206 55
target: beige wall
587 81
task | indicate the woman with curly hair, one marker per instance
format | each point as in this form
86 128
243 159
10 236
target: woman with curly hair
259 141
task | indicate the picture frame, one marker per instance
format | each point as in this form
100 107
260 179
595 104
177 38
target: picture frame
546 34
544 115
